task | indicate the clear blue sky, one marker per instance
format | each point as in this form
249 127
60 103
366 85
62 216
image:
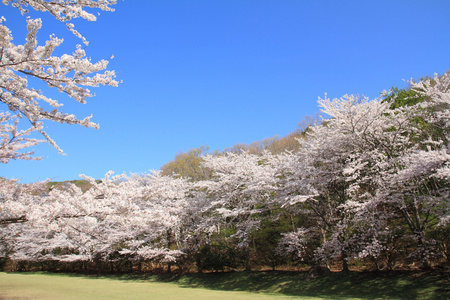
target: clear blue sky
222 72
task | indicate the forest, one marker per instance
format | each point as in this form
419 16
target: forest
363 186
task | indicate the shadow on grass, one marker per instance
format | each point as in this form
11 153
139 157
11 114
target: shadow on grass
366 285
363 285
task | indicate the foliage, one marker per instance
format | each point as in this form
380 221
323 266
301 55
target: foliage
217 257
188 165
402 97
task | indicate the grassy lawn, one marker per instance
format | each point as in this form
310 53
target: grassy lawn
237 285
61 286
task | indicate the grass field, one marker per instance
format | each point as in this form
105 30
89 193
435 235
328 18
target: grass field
51 286
238 285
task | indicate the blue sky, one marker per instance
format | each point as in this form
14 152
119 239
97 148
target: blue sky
219 73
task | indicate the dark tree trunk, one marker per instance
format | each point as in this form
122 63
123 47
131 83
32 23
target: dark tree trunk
247 259
344 261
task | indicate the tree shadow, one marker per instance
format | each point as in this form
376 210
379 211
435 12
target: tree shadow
363 285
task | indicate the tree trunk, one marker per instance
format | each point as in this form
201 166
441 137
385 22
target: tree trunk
247 259
344 261
423 252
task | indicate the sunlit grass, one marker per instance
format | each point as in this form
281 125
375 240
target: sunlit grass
43 286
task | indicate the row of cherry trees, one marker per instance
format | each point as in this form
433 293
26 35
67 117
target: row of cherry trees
369 185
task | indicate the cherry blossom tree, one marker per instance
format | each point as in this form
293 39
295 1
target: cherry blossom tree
121 217
241 188
71 74
163 201
416 185
16 202
333 177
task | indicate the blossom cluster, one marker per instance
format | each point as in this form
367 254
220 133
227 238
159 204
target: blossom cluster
70 74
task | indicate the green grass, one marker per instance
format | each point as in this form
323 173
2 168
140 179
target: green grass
60 286
236 285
